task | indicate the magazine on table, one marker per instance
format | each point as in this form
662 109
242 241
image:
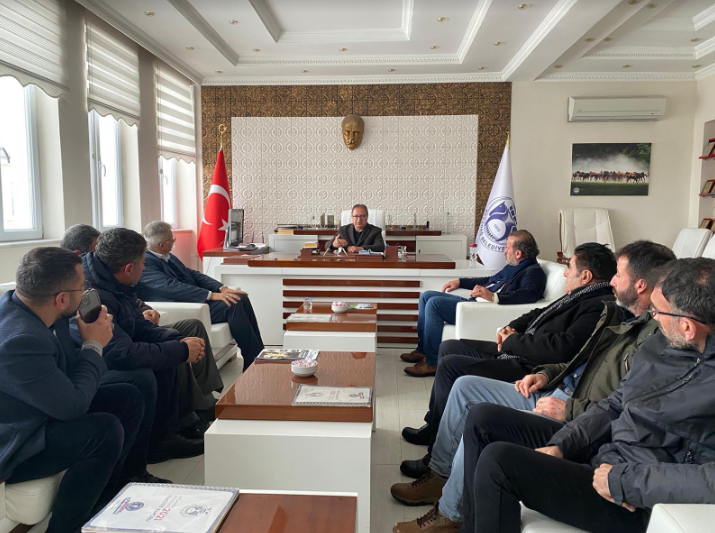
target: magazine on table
360 306
152 507
333 396
282 356
310 317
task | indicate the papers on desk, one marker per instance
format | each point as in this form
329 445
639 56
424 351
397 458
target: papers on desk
310 317
361 306
151 507
282 356
333 396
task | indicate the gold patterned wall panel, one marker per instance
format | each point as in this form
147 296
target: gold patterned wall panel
491 101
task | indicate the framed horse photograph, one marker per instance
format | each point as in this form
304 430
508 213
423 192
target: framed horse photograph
610 169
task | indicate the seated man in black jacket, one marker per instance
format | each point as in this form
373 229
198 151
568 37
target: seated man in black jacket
166 279
554 334
139 345
55 414
649 442
359 235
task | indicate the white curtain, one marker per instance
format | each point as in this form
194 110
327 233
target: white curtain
176 135
112 72
33 43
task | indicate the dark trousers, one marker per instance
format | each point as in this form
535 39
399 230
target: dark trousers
488 423
562 490
92 449
145 381
244 327
466 358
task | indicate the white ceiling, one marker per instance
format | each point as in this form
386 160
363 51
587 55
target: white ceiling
391 41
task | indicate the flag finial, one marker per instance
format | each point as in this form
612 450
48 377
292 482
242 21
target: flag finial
221 130
507 140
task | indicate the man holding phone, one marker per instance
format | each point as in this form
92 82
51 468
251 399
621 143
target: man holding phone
57 415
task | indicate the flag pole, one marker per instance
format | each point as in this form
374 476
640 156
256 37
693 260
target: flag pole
221 130
507 140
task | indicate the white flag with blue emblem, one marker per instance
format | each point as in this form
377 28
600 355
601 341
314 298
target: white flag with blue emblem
499 218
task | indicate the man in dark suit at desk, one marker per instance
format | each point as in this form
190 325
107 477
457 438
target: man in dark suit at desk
166 279
359 235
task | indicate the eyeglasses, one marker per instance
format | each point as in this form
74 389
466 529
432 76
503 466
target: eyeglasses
652 312
359 216
173 241
85 287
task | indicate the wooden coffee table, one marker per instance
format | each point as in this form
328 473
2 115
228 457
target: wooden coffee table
354 330
275 512
261 441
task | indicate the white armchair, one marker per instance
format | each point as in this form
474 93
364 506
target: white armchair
579 225
480 320
691 242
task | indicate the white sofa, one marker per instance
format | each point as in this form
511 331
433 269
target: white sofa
481 320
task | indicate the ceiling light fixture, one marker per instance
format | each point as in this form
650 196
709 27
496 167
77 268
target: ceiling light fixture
607 39
697 66
342 49
304 71
189 48
391 70
219 72
442 19
149 13
558 66
498 43
481 68
256 49
589 39
434 47
634 2
694 39
627 66
652 6
233 21
523 6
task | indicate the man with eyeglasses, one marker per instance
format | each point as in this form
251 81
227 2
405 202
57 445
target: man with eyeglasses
359 235
167 279
56 414
649 442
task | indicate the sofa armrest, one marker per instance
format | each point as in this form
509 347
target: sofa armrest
480 320
681 518
176 311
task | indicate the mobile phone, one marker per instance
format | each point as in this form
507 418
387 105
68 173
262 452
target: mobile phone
90 306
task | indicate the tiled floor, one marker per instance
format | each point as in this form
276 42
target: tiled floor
401 401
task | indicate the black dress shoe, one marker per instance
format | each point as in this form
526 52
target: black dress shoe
196 430
175 447
415 468
146 477
420 436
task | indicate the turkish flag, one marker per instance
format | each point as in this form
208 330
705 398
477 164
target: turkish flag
215 223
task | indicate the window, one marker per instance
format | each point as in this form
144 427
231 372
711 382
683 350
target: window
167 178
20 209
105 150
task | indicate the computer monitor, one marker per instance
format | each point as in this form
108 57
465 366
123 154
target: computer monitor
234 234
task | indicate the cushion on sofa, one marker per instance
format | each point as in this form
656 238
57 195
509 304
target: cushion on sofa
29 502
220 335
533 522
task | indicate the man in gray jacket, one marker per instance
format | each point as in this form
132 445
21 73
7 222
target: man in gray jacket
649 442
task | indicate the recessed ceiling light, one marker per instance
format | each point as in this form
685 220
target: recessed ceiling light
607 39
342 49
498 43
256 49
233 21
558 66
627 66
189 48
434 47
697 66
634 2
694 39
442 19
304 71
391 70
652 6
589 39
219 72
149 13
523 6
481 68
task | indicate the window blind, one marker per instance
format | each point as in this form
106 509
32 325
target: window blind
33 43
112 72
174 114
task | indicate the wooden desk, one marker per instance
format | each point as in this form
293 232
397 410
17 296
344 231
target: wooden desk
266 390
350 321
412 262
291 513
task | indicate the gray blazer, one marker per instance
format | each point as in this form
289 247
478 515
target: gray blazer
370 238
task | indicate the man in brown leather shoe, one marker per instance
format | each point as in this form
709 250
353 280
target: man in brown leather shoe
426 489
521 281
432 522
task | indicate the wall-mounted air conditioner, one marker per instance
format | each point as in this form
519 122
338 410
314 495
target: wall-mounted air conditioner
611 109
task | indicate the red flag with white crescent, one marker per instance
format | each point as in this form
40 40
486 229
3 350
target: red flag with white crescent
215 222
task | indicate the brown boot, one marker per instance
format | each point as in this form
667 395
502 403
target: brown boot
427 489
432 522
420 370
413 357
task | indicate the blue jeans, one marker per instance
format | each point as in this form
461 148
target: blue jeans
435 309
448 451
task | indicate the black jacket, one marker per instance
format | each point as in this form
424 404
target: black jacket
657 429
559 338
526 287
137 342
370 238
173 282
